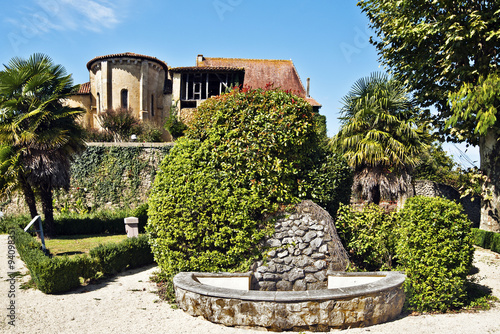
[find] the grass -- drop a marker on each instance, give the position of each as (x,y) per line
(79,244)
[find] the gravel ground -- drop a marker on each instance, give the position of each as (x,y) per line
(127,304)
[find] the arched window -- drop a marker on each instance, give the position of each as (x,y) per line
(124,98)
(152,105)
(98,106)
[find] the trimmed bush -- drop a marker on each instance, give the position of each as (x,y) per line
(368,236)
(245,155)
(435,248)
(128,254)
(486,239)
(61,274)
(96,223)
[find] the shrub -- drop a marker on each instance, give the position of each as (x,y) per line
(128,254)
(245,154)
(120,122)
(100,222)
(368,236)
(435,247)
(174,125)
(150,132)
(61,274)
(486,239)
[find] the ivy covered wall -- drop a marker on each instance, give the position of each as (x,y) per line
(104,177)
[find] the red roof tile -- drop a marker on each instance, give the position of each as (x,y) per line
(205,69)
(128,55)
(84,89)
(261,72)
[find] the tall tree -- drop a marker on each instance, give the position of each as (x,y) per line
(40,128)
(448,52)
(379,137)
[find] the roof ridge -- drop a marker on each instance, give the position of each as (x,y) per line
(287,60)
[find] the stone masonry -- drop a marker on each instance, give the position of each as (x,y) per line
(304,247)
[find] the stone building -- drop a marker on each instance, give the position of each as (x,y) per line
(150,88)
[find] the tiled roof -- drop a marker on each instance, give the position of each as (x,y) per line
(128,55)
(206,69)
(312,102)
(84,89)
(261,72)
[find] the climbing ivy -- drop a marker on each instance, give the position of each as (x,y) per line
(110,176)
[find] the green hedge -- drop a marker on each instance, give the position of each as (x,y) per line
(130,253)
(435,248)
(61,274)
(486,239)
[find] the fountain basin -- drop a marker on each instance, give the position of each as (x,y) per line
(373,298)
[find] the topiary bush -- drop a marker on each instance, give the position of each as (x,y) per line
(245,155)
(435,248)
(368,236)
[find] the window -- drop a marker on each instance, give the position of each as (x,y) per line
(124,98)
(152,105)
(98,103)
(201,86)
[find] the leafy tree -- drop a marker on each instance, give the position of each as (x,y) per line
(448,53)
(379,137)
(436,165)
(40,129)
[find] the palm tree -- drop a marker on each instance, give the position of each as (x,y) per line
(40,129)
(379,137)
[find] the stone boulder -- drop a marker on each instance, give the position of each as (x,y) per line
(304,246)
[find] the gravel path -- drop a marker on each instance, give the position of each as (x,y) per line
(127,304)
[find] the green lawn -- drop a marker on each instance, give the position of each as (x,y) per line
(79,244)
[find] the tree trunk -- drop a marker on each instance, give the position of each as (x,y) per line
(29,196)
(48,209)
(489,148)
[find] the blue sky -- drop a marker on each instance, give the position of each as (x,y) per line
(327,40)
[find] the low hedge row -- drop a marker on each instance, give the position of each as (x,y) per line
(486,239)
(61,274)
(97,225)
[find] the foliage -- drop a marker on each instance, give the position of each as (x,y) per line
(440,54)
(328,183)
(246,153)
(379,137)
(266,139)
(120,122)
(486,239)
(150,132)
(39,127)
(199,220)
(98,136)
(435,248)
(130,253)
(174,124)
(110,174)
(477,101)
(98,222)
(437,166)
(61,274)
(369,236)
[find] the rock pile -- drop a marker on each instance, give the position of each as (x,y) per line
(304,247)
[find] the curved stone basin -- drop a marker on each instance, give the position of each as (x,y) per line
(377,298)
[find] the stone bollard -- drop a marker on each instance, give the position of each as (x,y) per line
(132,226)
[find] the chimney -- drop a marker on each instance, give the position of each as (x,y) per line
(308,84)
(199,60)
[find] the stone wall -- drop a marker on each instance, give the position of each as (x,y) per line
(319,310)
(304,247)
(472,206)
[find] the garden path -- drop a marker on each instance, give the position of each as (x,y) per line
(127,304)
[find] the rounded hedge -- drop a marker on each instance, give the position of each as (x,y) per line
(435,248)
(246,155)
